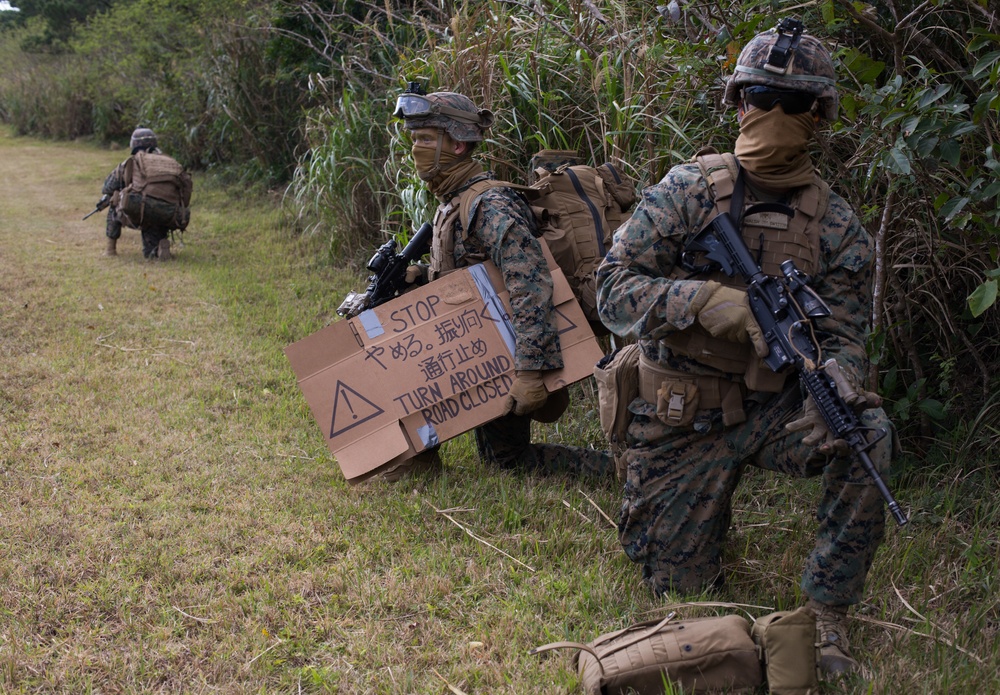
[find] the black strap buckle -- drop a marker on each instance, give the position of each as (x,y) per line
(789,35)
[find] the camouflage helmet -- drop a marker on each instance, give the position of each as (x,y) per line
(142,138)
(454,113)
(787,58)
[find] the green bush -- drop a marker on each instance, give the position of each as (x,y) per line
(215,79)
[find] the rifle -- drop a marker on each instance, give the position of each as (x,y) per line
(102,204)
(388,278)
(785,309)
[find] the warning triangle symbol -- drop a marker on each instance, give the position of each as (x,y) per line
(569,324)
(350,409)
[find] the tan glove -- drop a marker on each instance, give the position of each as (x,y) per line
(724,312)
(812,419)
(853,395)
(857,398)
(527,393)
(414,273)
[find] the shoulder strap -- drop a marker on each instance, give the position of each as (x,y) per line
(721,172)
(569,645)
(468,196)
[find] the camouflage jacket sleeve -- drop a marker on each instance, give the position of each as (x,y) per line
(635,295)
(502,227)
(844,282)
(116,179)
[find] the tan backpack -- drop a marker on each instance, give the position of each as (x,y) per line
(158,193)
(702,655)
(578,208)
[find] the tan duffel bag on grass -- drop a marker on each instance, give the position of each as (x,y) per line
(702,655)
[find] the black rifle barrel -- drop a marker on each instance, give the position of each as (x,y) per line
(844,424)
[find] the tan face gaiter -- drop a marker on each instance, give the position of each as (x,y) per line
(774,148)
(443,171)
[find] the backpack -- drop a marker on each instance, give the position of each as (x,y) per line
(701,655)
(578,208)
(158,193)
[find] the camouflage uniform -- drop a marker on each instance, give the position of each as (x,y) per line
(142,139)
(502,229)
(680,480)
(116,181)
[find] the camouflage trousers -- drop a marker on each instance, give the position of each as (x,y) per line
(151,236)
(506,442)
(680,483)
(113,228)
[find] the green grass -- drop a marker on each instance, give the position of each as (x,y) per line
(171,520)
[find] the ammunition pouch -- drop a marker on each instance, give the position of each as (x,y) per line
(679,395)
(788,645)
(617,377)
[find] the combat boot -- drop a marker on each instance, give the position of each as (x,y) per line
(834,650)
(163,251)
(111,249)
(425,462)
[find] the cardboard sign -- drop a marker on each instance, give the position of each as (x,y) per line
(426,367)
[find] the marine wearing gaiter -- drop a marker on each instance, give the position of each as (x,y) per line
(444,171)
(773,147)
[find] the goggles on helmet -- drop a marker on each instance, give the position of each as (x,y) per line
(766,98)
(418,106)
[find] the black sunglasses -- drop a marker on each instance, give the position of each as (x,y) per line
(766,98)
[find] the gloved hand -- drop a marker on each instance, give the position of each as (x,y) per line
(527,393)
(811,418)
(853,395)
(416,273)
(859,399)
(103,202)
(724,312)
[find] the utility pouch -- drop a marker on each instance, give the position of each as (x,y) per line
(677,402)
(617,377)
(702,655)
(788,641)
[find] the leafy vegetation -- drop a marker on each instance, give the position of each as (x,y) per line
(222,87)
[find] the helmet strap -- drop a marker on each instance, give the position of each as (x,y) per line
(780,56)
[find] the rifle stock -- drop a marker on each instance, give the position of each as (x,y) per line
(388,278)
(785,309)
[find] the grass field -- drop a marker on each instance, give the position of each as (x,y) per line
(171,520)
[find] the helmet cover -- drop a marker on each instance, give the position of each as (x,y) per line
(454,113)
(142,138)
(787,58)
